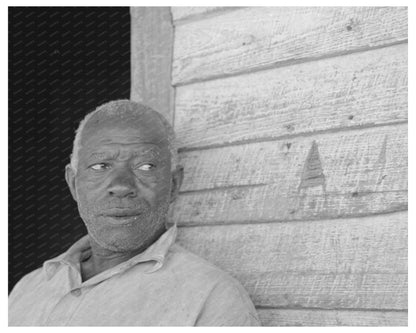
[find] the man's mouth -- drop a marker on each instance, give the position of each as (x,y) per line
(123,215)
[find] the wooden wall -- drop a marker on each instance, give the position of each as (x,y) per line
(292,127)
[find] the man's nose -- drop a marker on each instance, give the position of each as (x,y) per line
(123,184)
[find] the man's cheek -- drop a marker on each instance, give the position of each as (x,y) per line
(92,186)
(87,205)
(164,192)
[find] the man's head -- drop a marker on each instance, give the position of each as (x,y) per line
(124,174)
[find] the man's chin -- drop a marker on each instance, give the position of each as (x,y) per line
(118,243)
(125,234)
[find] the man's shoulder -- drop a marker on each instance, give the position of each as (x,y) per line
(226,302)
(29,280)
(37,276)
(32,275)
(179,255)
(185,262)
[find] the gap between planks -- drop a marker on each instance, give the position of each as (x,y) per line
(233,187)
(290,62)
(290,136)
(310,220)
(265,307)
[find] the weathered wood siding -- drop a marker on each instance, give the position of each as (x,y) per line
(357,263)
(264,37)
(292,124)
(312,317)
(292,128)
(356,90)
(331,175)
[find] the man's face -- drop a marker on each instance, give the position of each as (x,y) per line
(123,182)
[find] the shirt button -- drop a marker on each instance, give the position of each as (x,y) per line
(76,292)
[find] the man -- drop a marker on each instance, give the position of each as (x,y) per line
(127,271)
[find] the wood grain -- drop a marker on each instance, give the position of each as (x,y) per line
(351,173)
(361,89)
(260,37)
(345,263)
(187,13)
(151,58)
(288,317)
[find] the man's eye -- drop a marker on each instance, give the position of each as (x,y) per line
(146,167)
(99,166)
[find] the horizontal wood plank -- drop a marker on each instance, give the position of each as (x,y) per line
(361,89)
(351,173)
(358,263)
(289,317)
(259,37)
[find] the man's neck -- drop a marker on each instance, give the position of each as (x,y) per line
(102,259)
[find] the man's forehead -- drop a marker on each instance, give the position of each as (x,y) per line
(146,129)
(126,151)
(139,120)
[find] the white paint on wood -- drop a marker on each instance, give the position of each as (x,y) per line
(361,89)
(363,172)
(345,263)
(151,58)
(289,317)
(258,37)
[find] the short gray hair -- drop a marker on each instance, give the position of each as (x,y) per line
(122,108)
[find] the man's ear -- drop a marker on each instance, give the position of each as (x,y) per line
(177,178)
(70,180)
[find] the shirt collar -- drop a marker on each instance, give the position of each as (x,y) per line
(81,249)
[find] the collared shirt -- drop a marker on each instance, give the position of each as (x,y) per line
(165,285)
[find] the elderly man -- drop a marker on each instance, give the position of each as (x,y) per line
(128,269)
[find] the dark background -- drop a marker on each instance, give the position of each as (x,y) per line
(63,63)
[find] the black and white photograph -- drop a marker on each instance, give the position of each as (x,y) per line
(208,166)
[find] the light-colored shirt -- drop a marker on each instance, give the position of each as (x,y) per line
(165,285)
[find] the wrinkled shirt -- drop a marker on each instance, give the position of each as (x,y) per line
(165,285)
